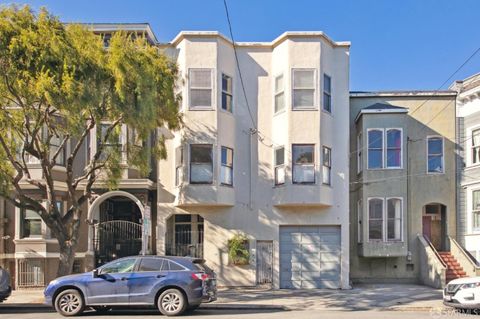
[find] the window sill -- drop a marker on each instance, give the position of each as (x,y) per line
(226,185)
(194,184)
(305,109)
(201,109)
(435,173)
(278,185)
(305,184)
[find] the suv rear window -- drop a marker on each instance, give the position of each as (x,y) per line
(170,265)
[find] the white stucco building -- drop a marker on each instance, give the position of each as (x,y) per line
(268,160)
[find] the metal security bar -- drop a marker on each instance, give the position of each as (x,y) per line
(185,243)
(31,273)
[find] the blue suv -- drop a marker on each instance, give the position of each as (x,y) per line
(173,284)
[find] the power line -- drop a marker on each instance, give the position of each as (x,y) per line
(238,64)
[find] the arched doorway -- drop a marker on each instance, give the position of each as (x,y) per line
(434,221)
(116,227)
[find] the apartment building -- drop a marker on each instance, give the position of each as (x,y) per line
(403,183)
(468,115)
(113,222)
(263,154)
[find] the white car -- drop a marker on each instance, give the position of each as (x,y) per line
(463,293)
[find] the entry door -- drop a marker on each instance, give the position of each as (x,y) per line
(427,226)
(112,285)
(264,262)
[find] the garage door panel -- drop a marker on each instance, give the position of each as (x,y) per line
(309,257)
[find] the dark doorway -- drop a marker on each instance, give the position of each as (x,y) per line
(434,225)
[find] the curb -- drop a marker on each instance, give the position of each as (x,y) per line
(243,307)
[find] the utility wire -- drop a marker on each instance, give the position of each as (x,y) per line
(238,65)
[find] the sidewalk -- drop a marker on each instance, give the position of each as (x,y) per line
(362,297)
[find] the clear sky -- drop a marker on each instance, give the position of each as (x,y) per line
(403,44)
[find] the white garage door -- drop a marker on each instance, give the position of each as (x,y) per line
(309,257)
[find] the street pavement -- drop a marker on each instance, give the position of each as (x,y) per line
(244,314)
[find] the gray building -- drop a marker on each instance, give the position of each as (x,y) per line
(402,186)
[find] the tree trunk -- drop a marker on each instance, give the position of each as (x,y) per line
(67,257)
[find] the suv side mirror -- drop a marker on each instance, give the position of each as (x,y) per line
(95,273)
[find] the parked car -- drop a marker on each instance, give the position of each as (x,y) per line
(173,284)
(5,288)
(463,293)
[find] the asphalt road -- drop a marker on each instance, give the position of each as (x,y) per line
(239,314)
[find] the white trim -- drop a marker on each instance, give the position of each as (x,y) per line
(212,88)
(469,209)
(368,220)
(386,147)
(379,111)
(322,80)
(314,87)
(468,139)
(231,93)
(443,154)
(275,93)
(401,220)
(383,148)
(385,220)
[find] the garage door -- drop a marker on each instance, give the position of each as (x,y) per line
(309,257)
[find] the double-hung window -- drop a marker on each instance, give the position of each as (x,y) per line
(201,164)
(55,143)
(375,148)
(178,165)
(435,154)
(279,94)
(359,152)
(303,89)
(476,210)
(385,219)
(226,170)
(201,88)
(326,165)
(32,224)
(327,93)
(113,145)
(303,163)
(394,148)
(279,165)
(475,148)
(394,219)
(375,219)
(227,93)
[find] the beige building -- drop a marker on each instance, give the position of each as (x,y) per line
(265,160)
(403,185)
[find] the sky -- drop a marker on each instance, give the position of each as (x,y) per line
(396,45)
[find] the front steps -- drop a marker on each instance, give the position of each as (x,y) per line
(454,270)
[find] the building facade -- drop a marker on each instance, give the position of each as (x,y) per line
(263,158)
(468,114)
(403,183)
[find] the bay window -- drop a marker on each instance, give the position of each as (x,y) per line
(394,148)
(476,210)
(475,147)
(279,166)
(279,94)
(359,152)
(200,88)
(303,163)
(201,164)
(375,219)
(113,145)
(303,89)
(227,93)
(394,219)
(226,170)
(375,148)
(31,224)
(326,165)
(435,154)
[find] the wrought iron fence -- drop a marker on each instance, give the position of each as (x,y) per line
(185,243)
(31,273)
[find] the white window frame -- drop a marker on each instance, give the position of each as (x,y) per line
(329,93)
(469,199)
(122,141)
(468,145)
(386,219)
(313,163)
(225,165)
(212,147)
(443,154)
(227,93)
(280,166)
(360,153)
(278,92)
(386,148)
(368,220)
(179,163)
(212,88)
(314,87)
(368,148)
(328,167)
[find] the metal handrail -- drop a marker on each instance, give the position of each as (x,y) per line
(435,251)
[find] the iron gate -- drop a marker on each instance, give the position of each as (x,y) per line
(264,262)
(115,239)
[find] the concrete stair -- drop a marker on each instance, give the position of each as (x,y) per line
(454,269)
